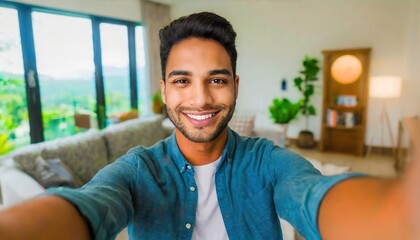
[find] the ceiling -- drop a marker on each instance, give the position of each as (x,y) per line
(171,2)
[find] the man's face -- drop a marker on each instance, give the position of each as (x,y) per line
(200,90)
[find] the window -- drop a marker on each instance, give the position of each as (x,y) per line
(57,65)
(64,54)
(115,65)
(143,84)
(14,125)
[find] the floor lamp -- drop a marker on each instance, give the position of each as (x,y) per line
(384,87)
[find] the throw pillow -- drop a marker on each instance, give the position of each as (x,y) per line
(17,186)
(52,173)
(5,165)
(243,125)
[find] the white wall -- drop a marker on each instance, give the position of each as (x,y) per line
(410,99)
(121,9)
(274,36)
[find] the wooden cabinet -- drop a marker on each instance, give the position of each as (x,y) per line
(345,97)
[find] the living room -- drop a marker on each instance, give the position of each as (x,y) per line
(274,36)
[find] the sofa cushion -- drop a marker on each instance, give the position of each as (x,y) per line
(17,186)
(48,173)
(53,173)
(123,136)
(84,154)
(5,164)
(25,157)
(243,124)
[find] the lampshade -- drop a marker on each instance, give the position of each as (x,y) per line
(346,69)
(385,87)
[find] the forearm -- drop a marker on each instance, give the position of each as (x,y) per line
(365,208)
(46,217)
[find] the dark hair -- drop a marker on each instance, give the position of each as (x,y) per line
(204,25)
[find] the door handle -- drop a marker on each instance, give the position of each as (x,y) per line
(31,79)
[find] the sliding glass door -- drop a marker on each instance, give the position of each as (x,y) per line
(115,65)
(64,55)
(64,72)
(143,86)
(14,124)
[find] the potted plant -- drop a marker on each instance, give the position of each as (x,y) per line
(282,111)
(306,85)
(158,106)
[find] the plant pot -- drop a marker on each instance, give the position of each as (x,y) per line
(282,131)
(306,139)
(157,107)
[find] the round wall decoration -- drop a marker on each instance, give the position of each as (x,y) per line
(346,69)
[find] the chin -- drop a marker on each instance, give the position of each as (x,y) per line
(202,135)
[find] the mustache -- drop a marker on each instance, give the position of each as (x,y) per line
(206,107)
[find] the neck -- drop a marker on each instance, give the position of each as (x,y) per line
(201,153)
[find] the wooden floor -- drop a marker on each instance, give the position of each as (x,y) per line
(380,165)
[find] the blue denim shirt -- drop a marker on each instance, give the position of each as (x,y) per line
(153,191)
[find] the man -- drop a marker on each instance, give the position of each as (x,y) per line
(207,182)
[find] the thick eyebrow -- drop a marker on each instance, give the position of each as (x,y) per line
(179,73)
(223,71)
(220,71)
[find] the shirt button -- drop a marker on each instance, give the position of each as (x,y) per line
(188,226)
(188,166)
(192,189)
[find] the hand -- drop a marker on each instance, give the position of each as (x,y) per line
(411,190)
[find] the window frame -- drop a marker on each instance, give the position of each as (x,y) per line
(29,61)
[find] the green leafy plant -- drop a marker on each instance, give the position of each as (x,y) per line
(282,110)
(157,103)
(5,145)
(12,103)
(306,85)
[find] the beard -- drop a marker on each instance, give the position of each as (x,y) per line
(199,134)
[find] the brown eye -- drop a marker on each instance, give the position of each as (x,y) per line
(218,81)
(180,81)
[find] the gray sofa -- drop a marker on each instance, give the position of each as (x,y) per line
(83,154)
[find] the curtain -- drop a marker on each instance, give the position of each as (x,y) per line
(156,16)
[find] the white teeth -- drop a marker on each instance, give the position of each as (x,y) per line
(201,117)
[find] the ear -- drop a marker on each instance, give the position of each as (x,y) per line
(163,90)
(236,86)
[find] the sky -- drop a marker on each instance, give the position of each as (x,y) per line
(11,59)
(63,45)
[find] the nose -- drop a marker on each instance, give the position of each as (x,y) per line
(200,96)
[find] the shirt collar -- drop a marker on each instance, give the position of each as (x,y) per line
(180,161)
(230,146)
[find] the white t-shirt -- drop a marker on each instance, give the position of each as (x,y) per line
(208,221)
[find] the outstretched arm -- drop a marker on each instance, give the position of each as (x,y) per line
(104,208)
(45,217)
(368,208)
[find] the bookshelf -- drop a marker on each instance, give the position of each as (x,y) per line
(345,97)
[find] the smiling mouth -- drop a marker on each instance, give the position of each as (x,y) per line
(201,117)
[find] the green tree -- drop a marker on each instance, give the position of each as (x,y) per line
(12,104)
(12,110)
